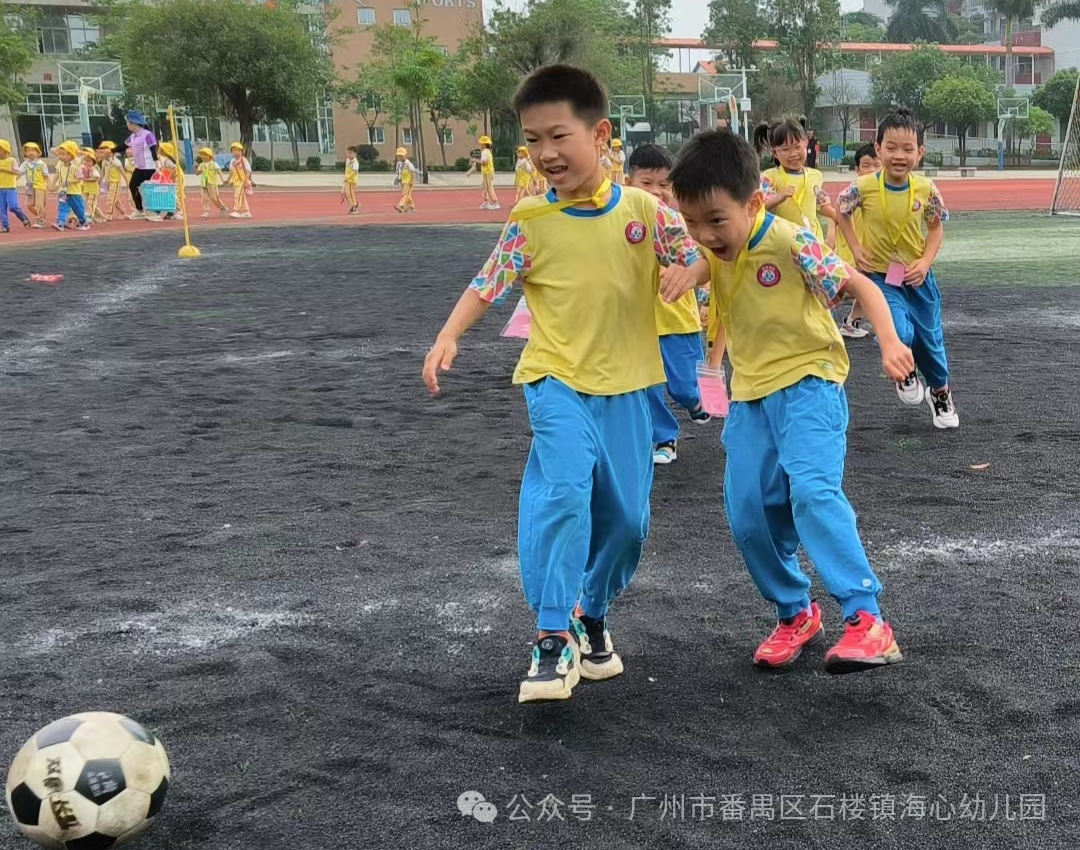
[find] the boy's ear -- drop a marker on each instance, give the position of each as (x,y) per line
(603,131)
(757,200)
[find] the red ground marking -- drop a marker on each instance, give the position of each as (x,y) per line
(461,206)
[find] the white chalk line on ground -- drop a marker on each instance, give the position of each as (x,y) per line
(24,354)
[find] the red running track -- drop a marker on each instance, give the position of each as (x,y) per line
(461,206)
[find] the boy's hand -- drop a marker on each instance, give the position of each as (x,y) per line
(676,281)
(896,358)
(916,273)
(439,359)
(860,255)
(788,192)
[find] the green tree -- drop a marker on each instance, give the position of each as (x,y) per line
(446,105)
(1039,122)
(962,101)
(651,20)
(863,34)
(734,26)
(485,86)
(1057,11)
(919,20)
(1012,11)
(225,58)
(361,94)
(803,30)
(1056,95)
(903,79)
(16,57)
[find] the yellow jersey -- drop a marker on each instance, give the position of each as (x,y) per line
(802,208)
(209,173)
(239,171)
(37,174)
(91,183)
(523,173)
(352,171)
(407,172)
(618,161)
(773,302)
(591,279)
(9,172)
(114,171)
(487,162)
(842,247)
(893,217)
(68,178)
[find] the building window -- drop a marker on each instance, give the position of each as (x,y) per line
(53,36)
(83,33)
(366,17)
(46,99)
(402,18)
(325,128)
(448,136)
(376,136)
(407,136)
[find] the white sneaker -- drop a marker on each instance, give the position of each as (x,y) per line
(154,217)
(942,408)
(664,454)
(135,216)
(84,226)
(234,214)
(245,215)
(206,215)
(853,330)
(911,391)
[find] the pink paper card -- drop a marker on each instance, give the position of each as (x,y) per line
(895,275)
(520,322)
(712,390)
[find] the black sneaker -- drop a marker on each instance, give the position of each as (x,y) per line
(598,657)
(698,416)
(553,672)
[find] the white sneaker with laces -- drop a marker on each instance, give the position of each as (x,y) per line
(911,390)
(942,408)
(664,454)
(852,330)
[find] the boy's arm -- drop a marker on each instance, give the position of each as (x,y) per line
(678,254)
(934,214)
(773,198)
(846,203)
(508,262)
(827,276)
(825,204)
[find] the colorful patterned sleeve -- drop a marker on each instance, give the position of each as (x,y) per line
(935,209)
(768,187)
(823,199)
(823,271)
(671,240)
(508,262)
(849,200)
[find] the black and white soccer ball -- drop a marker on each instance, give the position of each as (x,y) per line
(88,782)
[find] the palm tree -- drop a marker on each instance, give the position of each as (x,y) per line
(1062,10)
(1012,11)
(919,20)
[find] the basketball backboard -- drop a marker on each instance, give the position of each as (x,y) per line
(82,78)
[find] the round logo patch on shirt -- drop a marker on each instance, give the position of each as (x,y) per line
(768,275)
(916,206)
(635,232)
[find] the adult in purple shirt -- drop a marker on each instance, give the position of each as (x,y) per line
(142,149)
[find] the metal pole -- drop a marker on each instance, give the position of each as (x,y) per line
(1072,131)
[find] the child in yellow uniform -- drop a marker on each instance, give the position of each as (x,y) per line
(587,253)
(618,161)
(240,177)
(36,175)
(9,188)
(488,199)
(524,174)
(210,180)
(91,177)
(772,282)
(406,178)
(352,177)
(166,172)
(115,176)
(792,190)
(678,324)
(866,162)
(902,232)
(68,182)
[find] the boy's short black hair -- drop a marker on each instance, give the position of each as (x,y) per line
(866,150)
(900,119)
(716,160)
(650,158)
(353,149)
(564,84)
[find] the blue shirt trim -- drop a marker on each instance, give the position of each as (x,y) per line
(616,195)
(755,240)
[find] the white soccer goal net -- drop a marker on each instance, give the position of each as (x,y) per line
(1067,191)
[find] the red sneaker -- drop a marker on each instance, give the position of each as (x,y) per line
(787,640)
(868,642)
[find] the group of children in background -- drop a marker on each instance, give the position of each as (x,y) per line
(594,257)
(92,186)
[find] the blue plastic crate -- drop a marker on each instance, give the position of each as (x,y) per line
(159,197)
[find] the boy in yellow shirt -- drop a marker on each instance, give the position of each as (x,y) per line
(352,178)
(894,251)
(116,177)
(590,256)
(91,176)
(785,434)
(36,173)
(9,188)
(68,182)
(406,178)
(866,162)
(678,324)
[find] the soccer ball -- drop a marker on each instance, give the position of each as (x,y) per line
(88,782)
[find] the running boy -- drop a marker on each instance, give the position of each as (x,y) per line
(36,173)
(785,434)
(588,252)
(678,324)
(866,162)
(893,249)
(68,182)
(9,188)
(352,177)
